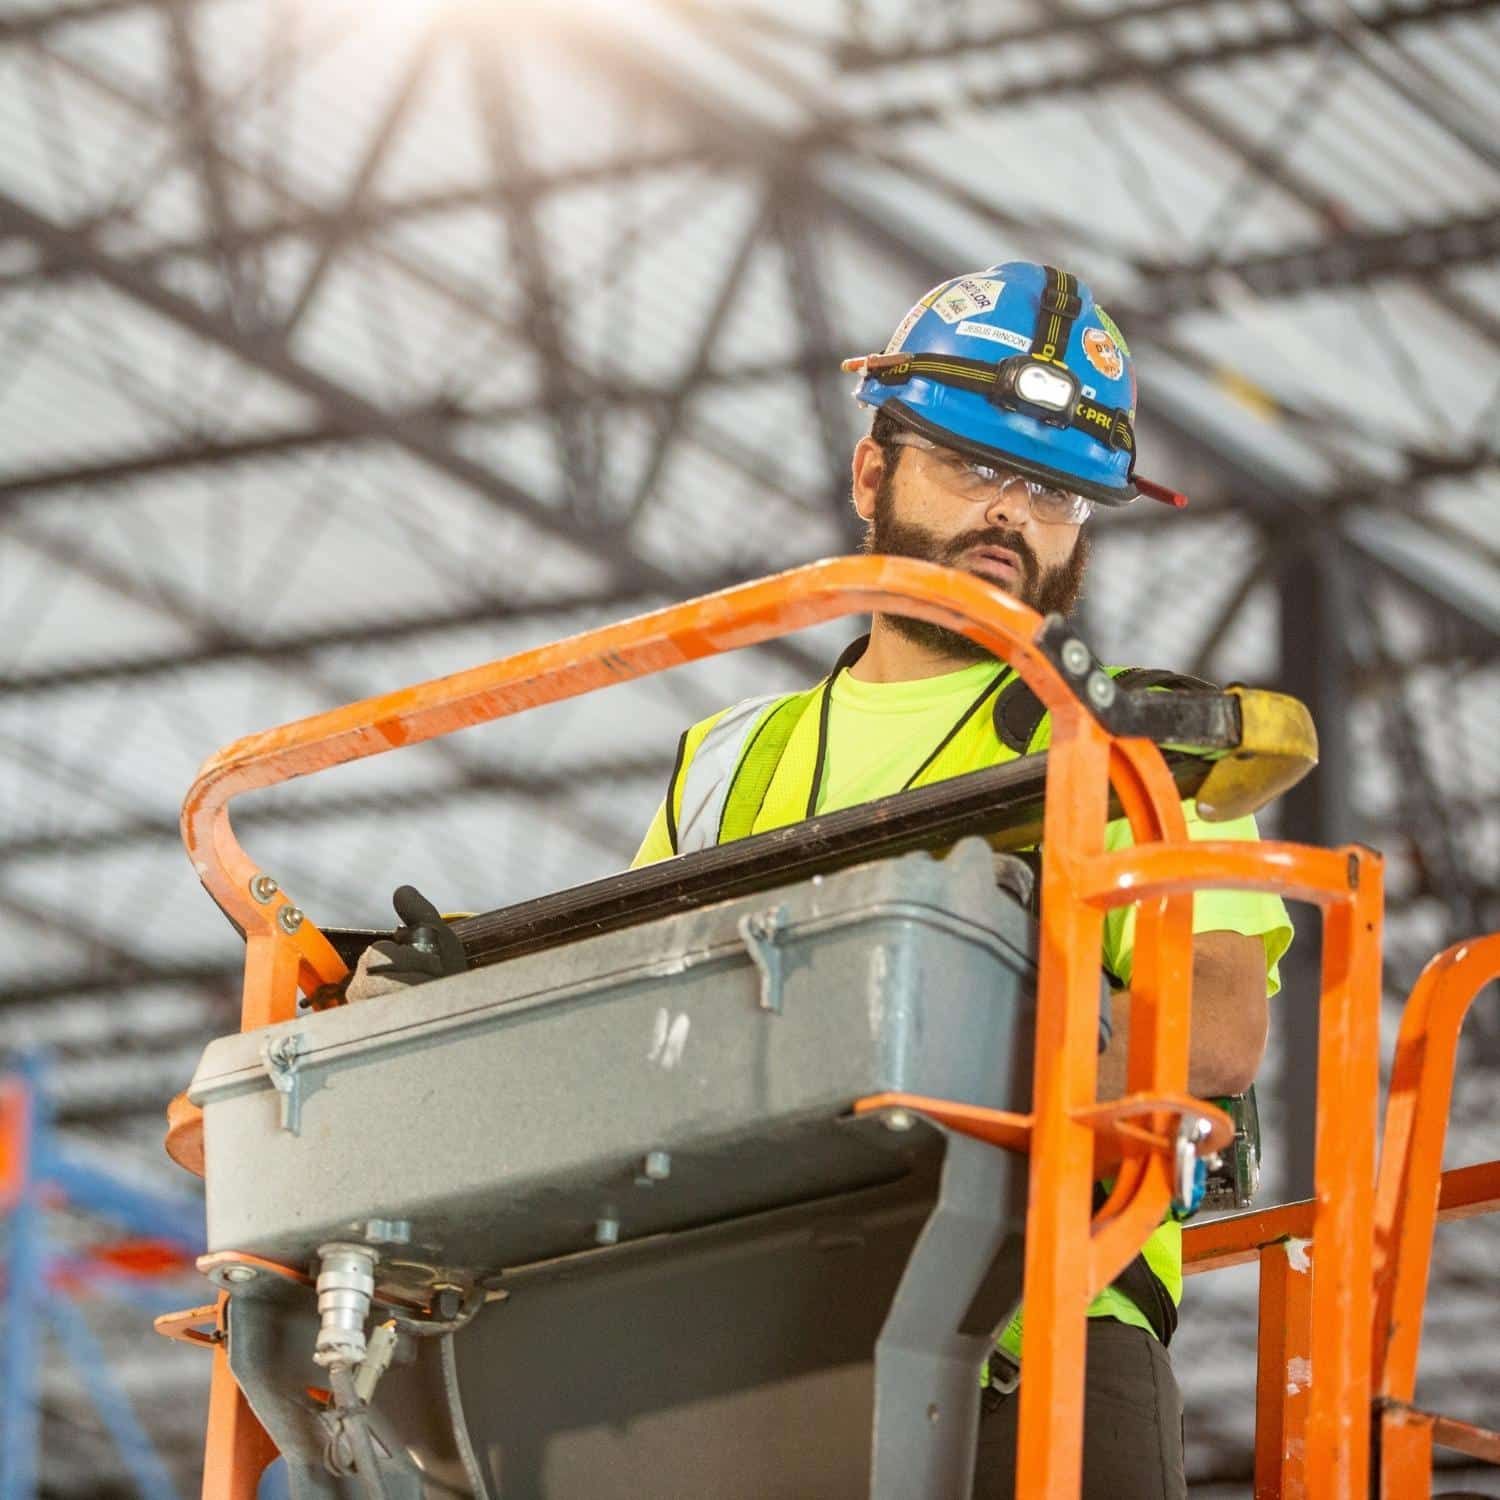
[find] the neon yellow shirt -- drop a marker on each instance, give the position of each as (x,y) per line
(879,735)
(878,740)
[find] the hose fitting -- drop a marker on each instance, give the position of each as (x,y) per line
(346,1283)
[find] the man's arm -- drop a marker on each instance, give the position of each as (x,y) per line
(1229,1025)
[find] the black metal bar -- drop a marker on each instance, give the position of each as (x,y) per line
(329,686)
(1431,823)
(1003,804)
(1355,258)
(1315,668)
(372,215)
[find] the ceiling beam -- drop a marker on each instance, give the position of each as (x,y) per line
(346,410)
(526,787)
(112,965)
(378,631)
(339,221)
(32,25)
(1174,51)
(175,458)
(1185,45)
(1351,260)
(372,213)
(566,396)
(198,119)
(351,412)
(210,976)
(1281,498)
(240,651)
(364,214)
(854,55)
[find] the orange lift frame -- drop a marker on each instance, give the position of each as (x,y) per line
(1322,1433)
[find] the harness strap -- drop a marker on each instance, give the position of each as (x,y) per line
(1057,311)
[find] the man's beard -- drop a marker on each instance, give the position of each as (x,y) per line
(1053,590)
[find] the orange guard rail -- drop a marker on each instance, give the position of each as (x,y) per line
(1068,1256)
(1412,1194)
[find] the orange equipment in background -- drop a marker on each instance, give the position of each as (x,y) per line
(1314,1441)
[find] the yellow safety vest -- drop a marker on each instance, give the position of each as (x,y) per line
(758,766)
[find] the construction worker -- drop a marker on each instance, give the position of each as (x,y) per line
(1003,412)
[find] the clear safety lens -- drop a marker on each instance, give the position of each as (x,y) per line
(1038,385)
(1047,503)
(977,481)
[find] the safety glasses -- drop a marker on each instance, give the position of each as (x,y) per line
(972,480)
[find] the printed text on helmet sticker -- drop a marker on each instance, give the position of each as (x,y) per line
(967,296)
(996,335)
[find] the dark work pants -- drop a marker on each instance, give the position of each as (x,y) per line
(1132,1423)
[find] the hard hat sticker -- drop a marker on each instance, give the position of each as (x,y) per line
(1112,330)
(996,335)
(1103,353)
(898,338)
(967,296)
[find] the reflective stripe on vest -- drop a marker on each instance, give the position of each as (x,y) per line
(711,775)
(707,777)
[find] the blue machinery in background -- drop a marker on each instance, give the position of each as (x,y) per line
(40,1279)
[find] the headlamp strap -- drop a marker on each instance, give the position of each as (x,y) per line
(1059,308)
(1109,425)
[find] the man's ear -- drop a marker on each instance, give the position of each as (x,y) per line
(869,469)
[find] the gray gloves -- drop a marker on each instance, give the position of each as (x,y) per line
(424,947)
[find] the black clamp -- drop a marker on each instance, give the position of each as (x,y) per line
(1195,714)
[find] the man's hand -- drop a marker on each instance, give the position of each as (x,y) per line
(1229,1025)
(424,947)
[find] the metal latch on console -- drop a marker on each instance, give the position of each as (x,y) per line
(761,933)
(282,1057)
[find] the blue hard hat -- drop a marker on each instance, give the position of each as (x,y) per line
(1017,363)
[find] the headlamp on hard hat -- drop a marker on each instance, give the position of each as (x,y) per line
(1037,387)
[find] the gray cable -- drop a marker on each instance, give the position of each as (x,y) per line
(357,1428)
(461,1441)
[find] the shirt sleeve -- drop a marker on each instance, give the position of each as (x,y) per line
(657,844)
(1253,913)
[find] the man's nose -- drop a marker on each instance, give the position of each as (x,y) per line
(1009,501)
